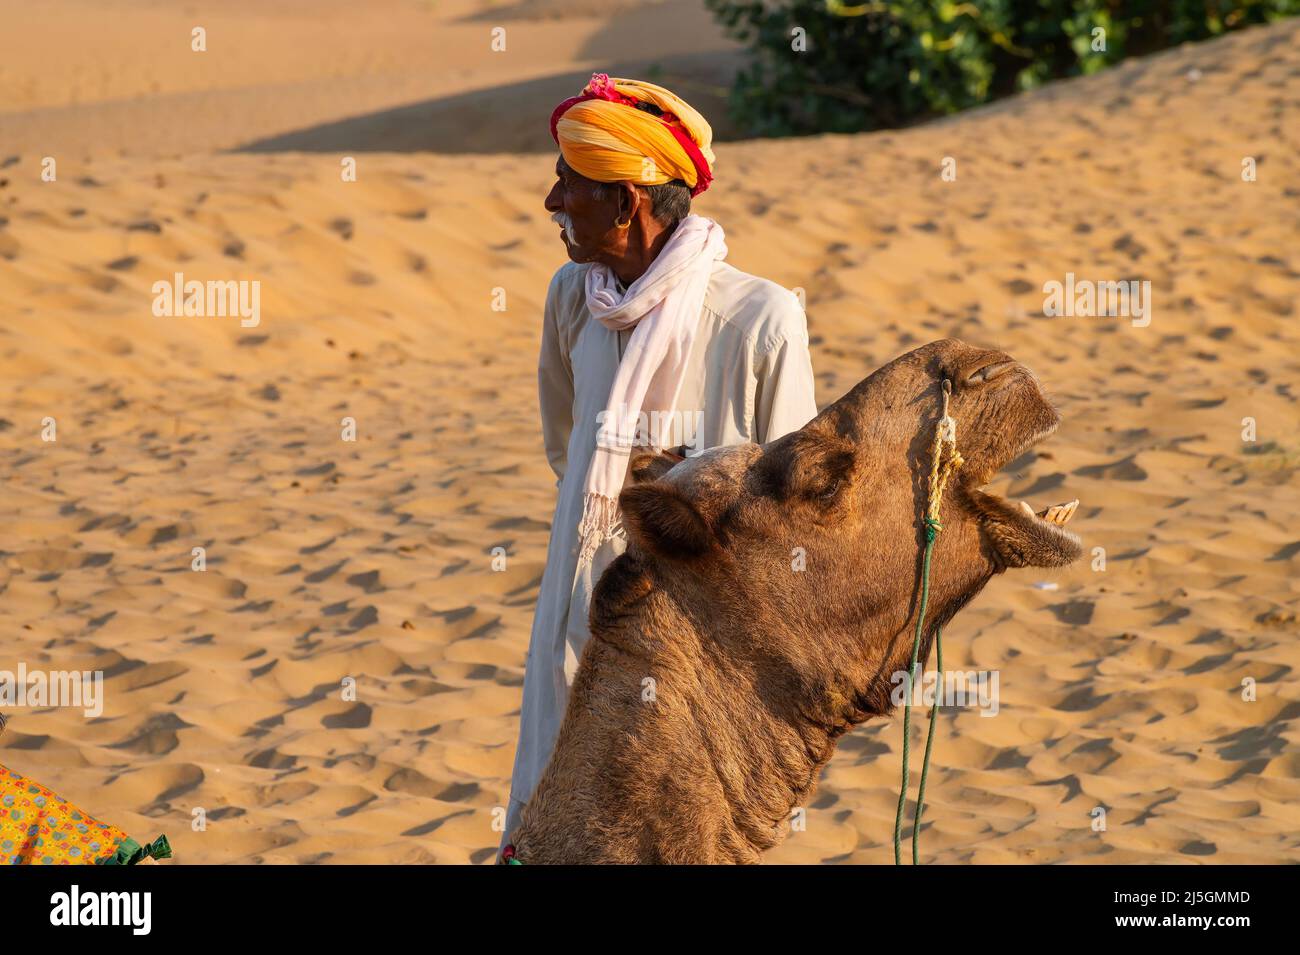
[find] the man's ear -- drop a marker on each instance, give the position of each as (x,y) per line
(807,465)
(629,199)
(660,519)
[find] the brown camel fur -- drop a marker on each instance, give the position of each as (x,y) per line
(718,677)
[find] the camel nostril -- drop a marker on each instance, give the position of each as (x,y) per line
(990,371)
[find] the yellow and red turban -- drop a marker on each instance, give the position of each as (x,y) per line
(605,135)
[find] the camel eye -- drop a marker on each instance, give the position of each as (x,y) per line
(830,490)
(989,372)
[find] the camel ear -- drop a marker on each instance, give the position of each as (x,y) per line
(647,467)
(660,519)
(807,465)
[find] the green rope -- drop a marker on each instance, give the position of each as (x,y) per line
(929,742)
(932,529)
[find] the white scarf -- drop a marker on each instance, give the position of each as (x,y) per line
(663,307)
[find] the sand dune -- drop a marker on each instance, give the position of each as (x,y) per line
(395,75)
(371,560)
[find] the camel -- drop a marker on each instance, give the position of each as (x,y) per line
(767,595)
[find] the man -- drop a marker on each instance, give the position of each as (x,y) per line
(649,339)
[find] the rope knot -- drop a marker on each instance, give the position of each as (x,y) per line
(932,529)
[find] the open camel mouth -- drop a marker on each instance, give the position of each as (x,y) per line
(1047,525)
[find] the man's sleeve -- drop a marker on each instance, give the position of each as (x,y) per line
(555,385)
(784,400)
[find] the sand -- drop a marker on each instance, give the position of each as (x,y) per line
(372,560)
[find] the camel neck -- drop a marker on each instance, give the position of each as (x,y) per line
(671,752)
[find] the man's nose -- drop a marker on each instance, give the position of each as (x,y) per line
(553,203)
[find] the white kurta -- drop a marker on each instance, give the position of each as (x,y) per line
(749,374)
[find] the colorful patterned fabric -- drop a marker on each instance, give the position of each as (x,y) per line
(619,129)
(38,827)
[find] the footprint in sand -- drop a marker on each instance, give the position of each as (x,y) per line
(156,737)
(369,581)
(355,717)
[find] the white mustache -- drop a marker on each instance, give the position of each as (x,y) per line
(564,222)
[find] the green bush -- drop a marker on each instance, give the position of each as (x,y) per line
(873,64)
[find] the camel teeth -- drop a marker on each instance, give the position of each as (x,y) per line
(1060,514)
(1069,510)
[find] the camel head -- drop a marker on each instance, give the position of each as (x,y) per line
(807,550)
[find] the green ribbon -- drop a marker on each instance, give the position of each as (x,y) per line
(131,852)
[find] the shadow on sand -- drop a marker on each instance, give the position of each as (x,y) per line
(507,119)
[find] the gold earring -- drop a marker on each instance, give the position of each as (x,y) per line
(623,223)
